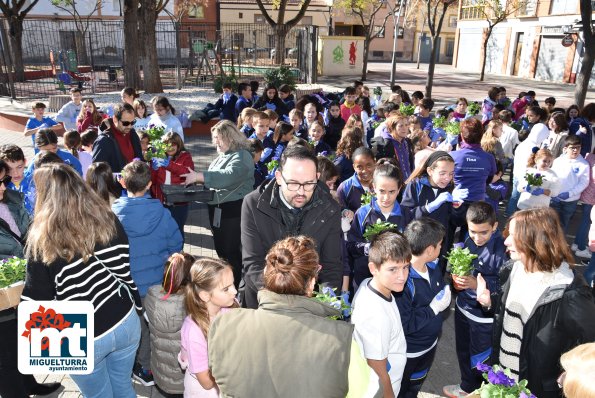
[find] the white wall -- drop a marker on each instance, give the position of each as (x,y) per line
(469,49)
(495,51)
(84,7)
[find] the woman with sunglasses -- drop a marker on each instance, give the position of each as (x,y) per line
(544,307)
(231,177)
(14,222)
(118,144)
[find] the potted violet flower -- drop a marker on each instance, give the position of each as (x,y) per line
(500,383)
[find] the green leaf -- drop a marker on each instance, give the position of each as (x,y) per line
(406,109)
(439,122)
(460,261)
(473,108)
(380,226)
(12,270)
(367,198)
(453,128)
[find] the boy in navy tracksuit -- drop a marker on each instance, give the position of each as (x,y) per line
(226,104)
(357,246)
(422,302)
(473,327)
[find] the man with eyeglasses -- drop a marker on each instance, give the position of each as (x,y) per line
(118,143)
(294,203)
(573,174)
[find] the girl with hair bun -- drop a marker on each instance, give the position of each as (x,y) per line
(286,321)
(539,162)
(165,311)
(383,207)
(209,292)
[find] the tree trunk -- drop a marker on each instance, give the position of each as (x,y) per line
(16,44)
(584,75)
(150,63)
(484,59)
(431,67)
(281,32)
(131,45)
(365,60)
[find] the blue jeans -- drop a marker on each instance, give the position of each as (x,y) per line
(565,211)
(511,207)
(582,234)
(590,271)
(114,358)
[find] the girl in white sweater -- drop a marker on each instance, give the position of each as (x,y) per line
(538,196)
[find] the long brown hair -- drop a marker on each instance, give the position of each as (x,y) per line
(488,140)
(539,236)
(176,273)
(70,218)
(174,138)
(431,162)
(351,139)
(290,266)
(96,117)
(205,274)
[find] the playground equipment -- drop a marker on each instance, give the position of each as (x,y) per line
(69,74)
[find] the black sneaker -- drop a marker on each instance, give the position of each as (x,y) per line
(143,376)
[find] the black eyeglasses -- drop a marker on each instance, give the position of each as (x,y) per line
(5,180)
(295,186)
(126,124)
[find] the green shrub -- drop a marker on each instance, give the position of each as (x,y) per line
(279,76)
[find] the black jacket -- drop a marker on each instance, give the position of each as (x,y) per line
(563,318)
(276,104)
(384,148)
(262,226)
(106,148)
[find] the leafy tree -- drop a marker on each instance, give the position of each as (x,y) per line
(15,11)
(367,13)
(584,75)
(281,27)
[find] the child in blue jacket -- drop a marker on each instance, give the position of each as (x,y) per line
(153,236)
(473,326)
(351,190)
(422,302)
(382,208)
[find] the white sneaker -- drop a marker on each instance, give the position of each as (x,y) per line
(584,253)
(454,391)
(574,247)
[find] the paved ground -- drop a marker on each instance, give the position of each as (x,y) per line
(448,85)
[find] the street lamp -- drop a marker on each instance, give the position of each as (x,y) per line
(329,4)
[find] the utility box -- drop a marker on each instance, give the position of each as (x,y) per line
(340,55)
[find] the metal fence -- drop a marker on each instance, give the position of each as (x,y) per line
(57,56)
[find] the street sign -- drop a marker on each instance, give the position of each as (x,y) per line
(567,41)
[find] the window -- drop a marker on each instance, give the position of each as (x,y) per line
(470,10)
(197,12)
(378,31)
(529,8)
(241,15)
(258,18)
(452,21)
(450,48)
(116,5)
(378,54)
(564,7)
(306,21)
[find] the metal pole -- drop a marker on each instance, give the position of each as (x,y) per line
(419,43)
(393,68)
(178,57)
(330,21)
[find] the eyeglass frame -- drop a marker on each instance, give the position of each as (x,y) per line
(304,185)
(127,123)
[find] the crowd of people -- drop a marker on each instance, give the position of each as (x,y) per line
(342,191)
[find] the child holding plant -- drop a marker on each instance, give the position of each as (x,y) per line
(383,212)
(540,182)
(422,302)
(316,138)
(484,253)
(351,190)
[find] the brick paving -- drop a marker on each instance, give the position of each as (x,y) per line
(448,85)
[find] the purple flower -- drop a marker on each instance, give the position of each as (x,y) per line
(537,175)
(500,378)
(459,245)
(482,367)
(328,291)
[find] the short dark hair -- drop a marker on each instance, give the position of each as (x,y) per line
(297,152)
(417,94)
(45,137)
(493,93)
(119,110)
(505,116)
(389,246)
(75,90)
(481,213)
(539,111)
(386,168)
(357,83)
(327,169)
(285,88)
(227,85)
(254,85)
(471,131)
(350,91)
(255,146)
(136,175)
(46,157)
(423,233)
(362,151)
(88,137)
(242,87)
(38,105)
(427,103)
(531,93)
(395,88)
(572,140)
(550,100)
(11,153)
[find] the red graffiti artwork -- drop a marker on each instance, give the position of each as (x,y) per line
(352,55)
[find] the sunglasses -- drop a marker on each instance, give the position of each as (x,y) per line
(126,124)
(5,180)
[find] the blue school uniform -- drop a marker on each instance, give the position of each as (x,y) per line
(420,324)
(357,246)
(302,133)
(321,147)
(345,166)
(241,103)
(350,193)
(27,188)
(260,174)
(289,102)
(473,327)
(425,122)
(33,123)
(226,108)
(495,193)
(417,194)
(247,130)
(66,157)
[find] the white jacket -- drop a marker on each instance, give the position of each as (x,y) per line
(573,175)
(169,121)
(550,181)
(68,114)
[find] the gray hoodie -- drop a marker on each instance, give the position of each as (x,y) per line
(68,115)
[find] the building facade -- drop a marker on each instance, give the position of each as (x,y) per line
(528,44)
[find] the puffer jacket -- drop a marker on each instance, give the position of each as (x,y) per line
(244,354)
(153,236)
(165,322)
(9,246)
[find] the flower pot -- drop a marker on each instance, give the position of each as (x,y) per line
(11,296)
(456,285)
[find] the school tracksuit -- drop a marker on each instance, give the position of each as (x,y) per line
(357,245)
(421,326)
(473,327)
(350,193)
